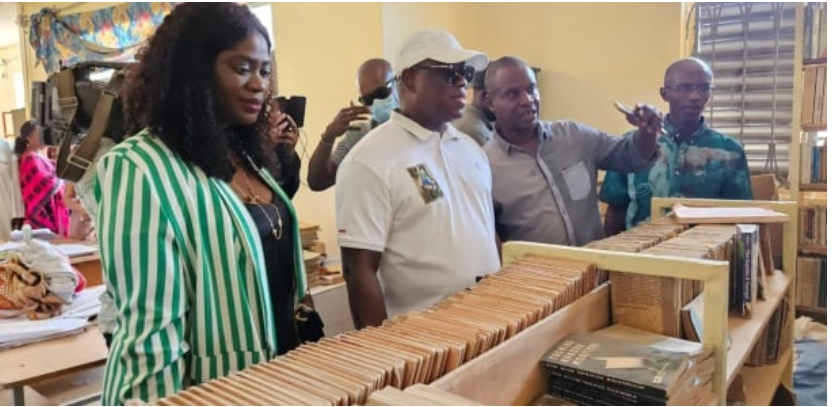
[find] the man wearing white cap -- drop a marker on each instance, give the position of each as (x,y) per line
(414,211)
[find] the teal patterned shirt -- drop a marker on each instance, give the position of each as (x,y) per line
(708,165)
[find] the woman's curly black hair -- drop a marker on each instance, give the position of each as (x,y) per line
(171,90)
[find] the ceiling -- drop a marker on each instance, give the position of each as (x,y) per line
(8,29)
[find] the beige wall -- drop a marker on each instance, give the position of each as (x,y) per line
(590,54)
(318,49)
(12,66)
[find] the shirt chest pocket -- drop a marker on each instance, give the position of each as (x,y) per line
(577,181)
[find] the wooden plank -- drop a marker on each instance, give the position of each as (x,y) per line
(761,382)
(510,374)
(44,360)
(813,187)
(812,310)
(694,215)
(813,249)
(89,267)
(746,332)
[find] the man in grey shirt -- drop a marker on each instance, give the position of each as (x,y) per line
(477,121)
(545,172)
(378,98)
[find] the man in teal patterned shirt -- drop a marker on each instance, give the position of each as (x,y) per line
(694,160)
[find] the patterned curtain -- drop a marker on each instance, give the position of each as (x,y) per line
(111,34)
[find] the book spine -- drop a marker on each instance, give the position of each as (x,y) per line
(578,398)
(815,164)
(601,391)
(808,100)
(822,294)
(773,335)
(635,388)
(806,161)
(820,95)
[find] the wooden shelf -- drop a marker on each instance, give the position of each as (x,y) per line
(813,249)
(812,127)
(746,332)
(811,310)
(813,187)
(761,382)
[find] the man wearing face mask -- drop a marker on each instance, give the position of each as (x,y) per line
(477,121)
(378,99)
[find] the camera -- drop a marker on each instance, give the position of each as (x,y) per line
(294,106)
(84,84)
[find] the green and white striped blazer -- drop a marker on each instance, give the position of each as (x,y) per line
(184,265)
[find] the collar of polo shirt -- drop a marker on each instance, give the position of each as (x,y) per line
(417,130)
(542,134)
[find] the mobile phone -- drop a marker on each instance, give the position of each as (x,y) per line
(294,106)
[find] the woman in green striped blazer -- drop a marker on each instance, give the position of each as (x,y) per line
(199,244)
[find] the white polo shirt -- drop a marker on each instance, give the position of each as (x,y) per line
(423,200)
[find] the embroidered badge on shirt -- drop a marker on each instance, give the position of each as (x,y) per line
(425,183)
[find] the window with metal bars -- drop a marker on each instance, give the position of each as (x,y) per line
(750,47)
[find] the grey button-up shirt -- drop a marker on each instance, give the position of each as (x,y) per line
(474,122)
(551,197)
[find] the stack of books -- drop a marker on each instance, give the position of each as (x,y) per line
(308,234)
(621,365)
(635,240)
(410,349)
(418,395)
(312,262)
(810,282)
(813,159)
(813,225)
(772,343)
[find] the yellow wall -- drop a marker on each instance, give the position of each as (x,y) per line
(318,49)
(590,54)
(11,67)
(401,19)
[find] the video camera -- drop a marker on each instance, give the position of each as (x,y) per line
(80,104)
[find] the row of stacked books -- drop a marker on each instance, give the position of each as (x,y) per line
(313,251)
(772,343)
(813,225)
(636,240)
(417,395)
(409,349)
(814,95)
(655,303)
(810,282)
(621,365)
(813,160)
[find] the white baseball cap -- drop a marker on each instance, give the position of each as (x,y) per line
(437,45)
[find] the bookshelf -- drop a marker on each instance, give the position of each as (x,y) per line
(813,187)
(509,374)
(761,381)
(807,160)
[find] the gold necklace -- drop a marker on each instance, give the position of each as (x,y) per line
(253,198)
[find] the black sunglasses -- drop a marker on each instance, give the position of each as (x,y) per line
(381,92)
(452,72)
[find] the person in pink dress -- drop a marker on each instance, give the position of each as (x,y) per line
(40,187)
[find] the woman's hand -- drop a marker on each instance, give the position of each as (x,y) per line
(283,130)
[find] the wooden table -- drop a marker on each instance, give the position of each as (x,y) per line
(34,363)
(30,364)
